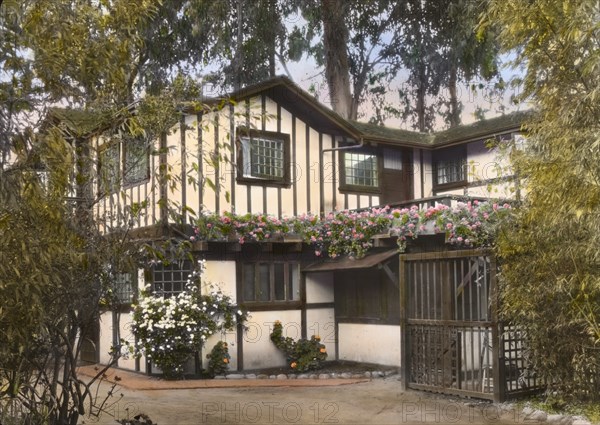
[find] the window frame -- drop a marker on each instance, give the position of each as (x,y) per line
(291,299)
(244,133)
(126,145)
(170,268)
(353,188)
(112,185)
(120,165)
(442,155)
(121,282)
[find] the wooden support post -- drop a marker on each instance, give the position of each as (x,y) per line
(404,361)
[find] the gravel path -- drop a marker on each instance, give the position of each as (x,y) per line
(376,401)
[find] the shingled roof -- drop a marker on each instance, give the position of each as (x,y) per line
(484,128)
(379,133)
(285,92)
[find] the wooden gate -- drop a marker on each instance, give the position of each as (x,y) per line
(452,341)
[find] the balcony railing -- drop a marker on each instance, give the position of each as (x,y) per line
(448,200)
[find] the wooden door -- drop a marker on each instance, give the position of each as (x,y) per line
(396,176)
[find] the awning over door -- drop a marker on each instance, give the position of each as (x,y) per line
(346,263)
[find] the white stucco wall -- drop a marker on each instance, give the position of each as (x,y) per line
(259,351)
(427,175)
(485,164)
(321,322)
(378,344)
(319,287)
(125,332)
(223,275)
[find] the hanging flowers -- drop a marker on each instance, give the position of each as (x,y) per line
(351,232)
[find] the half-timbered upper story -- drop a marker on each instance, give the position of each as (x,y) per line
(274,149)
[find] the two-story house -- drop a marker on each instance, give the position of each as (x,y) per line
(289,155)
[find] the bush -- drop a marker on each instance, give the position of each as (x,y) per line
(302,355)
(219,357)
(170,330)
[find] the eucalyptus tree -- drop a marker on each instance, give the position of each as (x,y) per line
(420,48)
(442,49)
(356,42)
(244,40)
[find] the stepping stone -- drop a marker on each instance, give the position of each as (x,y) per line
(235,376)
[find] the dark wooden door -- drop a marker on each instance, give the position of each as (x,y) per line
(396,176)
(89,344)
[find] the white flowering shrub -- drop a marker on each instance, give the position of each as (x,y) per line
(170,330)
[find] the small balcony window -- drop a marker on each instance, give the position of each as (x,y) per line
(360,171)
(450,167)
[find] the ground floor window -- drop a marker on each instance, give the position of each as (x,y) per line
(169,280)
(125,287)
(272,281)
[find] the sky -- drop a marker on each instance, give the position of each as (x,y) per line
(306,73)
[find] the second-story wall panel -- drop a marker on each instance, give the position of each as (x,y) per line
(213,164)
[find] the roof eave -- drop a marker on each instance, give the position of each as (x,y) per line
(476,137)
(259,88)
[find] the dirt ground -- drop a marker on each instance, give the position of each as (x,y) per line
(377,401)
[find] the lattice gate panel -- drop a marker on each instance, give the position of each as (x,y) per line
(451,338)
(518,376)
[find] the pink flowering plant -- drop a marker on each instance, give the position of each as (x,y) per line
(473,223)
(405,224)
(351,233)
(170,330)
(343,232)
(243,228)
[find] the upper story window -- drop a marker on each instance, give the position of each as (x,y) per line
(263,157)
(270,281)
(360,171)
(450,166)
(136,161)
(109,172)
(123,162)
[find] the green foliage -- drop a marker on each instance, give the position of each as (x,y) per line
(434,42)
(52,282)
(244,38)
(56,267)
(550,280)
(218,359)
(303,355)
(86,52)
